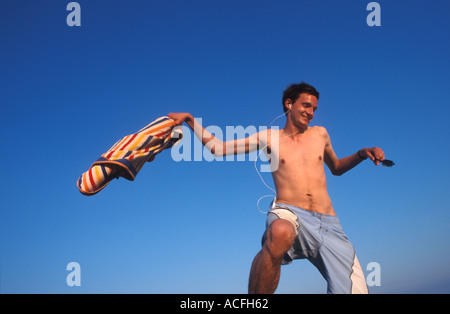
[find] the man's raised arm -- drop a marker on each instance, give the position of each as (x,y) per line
(341,166)
(214,145)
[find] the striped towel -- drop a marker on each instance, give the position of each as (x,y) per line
(127,157)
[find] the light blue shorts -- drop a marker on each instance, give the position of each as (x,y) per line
(321,240)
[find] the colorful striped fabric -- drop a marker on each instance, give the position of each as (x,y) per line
(127,157)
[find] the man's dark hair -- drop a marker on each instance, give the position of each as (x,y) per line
(293,92)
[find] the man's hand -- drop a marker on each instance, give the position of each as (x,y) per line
(179,118)
(375,154)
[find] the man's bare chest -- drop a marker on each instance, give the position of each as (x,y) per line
(305,150)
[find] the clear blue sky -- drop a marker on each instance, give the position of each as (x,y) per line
(68,93)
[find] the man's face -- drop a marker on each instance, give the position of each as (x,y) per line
(302,111)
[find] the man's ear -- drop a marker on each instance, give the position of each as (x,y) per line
(288,104)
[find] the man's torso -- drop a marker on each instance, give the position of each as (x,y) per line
(300,177)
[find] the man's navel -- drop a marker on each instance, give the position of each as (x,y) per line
(310,201)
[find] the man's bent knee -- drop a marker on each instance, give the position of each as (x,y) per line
(285,214)
(280,236)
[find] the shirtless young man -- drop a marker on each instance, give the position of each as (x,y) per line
(302,223)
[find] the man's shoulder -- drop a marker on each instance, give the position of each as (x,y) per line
(270,132)
(319,129)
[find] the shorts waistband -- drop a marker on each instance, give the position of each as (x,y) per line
(331,219)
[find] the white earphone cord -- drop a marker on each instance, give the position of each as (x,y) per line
(257,171)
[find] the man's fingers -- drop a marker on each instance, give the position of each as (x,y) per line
(379,154)
(370,155)
(373,157)
(376,154)
(176,117)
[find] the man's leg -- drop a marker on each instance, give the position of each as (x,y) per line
(336,260)
(266,267)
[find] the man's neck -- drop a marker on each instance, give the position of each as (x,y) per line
(291,129)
